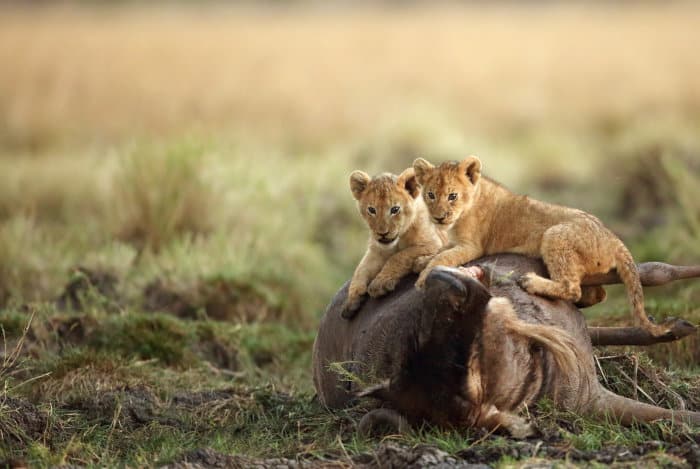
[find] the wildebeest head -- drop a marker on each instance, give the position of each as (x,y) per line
(433,368)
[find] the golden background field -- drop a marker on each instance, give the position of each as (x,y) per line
(175,210)
(320,74)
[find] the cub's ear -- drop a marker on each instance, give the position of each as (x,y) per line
(421,167)
(407,180)
(358,183)
(471,167)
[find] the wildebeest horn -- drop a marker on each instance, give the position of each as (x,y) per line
(374,421)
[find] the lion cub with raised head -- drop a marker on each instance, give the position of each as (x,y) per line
(482,217)
(400,234)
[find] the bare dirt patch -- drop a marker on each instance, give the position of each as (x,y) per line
(134,407)
(562,450)
(387,455)
(127,409)
(391,455)
(21,421)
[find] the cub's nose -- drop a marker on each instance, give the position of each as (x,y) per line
(383,234)
(439,219)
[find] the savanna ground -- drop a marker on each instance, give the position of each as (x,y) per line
(174,212)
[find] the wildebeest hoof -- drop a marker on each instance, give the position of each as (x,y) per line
(678,328)
(669,329)
(380,422)
(351,307)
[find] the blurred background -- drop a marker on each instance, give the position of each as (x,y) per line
(175,210)
(193,158)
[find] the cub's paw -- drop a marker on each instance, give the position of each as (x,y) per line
(420,283)
(530,282)
(352,306)
(381,286)
(420,263)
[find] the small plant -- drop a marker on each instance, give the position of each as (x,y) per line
(10,358)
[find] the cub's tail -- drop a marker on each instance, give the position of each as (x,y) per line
(627,270)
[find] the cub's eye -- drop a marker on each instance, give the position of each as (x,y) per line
(395,209)
(371,210)
(431,195)
(452,196)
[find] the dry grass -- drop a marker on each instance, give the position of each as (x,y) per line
(161,195)
(315,75)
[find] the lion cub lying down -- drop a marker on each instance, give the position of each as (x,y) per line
(483,217)
(401,234)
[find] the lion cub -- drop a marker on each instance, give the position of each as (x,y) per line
(483,217)
(401,234)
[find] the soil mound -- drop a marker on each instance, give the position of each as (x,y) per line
(89,284)
(217,299)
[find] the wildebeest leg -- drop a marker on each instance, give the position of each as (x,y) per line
(651,274)
(627,411)
(601,336)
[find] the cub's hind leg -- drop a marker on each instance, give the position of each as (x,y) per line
(591,295)
(560,254)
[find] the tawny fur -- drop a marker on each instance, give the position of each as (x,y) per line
(482,217)
(401,237)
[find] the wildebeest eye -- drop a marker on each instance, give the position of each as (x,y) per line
(395,209)
(431,195)
(452,196)
(371,210)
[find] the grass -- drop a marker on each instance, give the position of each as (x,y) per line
(153,215)
(177,221)
(126,388)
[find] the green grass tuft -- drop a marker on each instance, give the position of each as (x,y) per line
(152,215)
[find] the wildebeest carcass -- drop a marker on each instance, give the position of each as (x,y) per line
(473,349)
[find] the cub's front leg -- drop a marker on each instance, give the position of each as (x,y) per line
(366,270)
(398,265)
(452,257)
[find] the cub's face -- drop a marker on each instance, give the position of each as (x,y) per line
(448,189)
(386,202)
